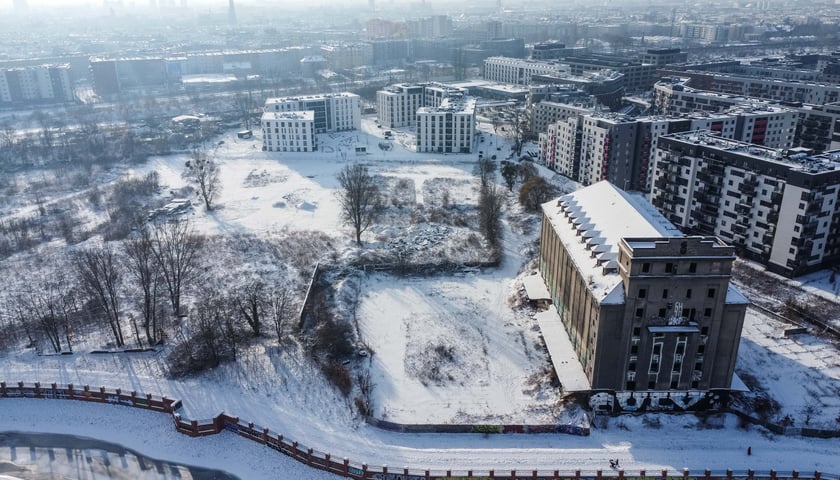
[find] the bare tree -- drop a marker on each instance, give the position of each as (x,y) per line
(203,172)
(250,302)
(176,248)
(279,308)
(143,269)
(244,105)
(485,169)
(99,277)
(509,173)
(360,200)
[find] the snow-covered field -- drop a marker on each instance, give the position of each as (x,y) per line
(454,348)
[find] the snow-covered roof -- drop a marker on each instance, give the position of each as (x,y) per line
(591,221)
(535,287)
(563,356)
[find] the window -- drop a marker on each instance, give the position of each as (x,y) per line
(680,349)
(637,330)
(665,293)
(677,366)
(631,385)
(669,267)
(701,348)
(657,348)
(646,267)
(711,293)
(675,383)
(651,384)
(707,312)
(692,267)
(642,292)
(704,331)
(634,349)
(632,367)
(662,312)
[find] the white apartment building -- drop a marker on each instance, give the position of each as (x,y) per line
(448,128)
(776,208)
(333,112)
(397,105)
(520,71)
(38,84)
(289,131)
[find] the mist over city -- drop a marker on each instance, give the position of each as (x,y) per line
(413,240)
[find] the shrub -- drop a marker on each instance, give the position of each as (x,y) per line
(338,375)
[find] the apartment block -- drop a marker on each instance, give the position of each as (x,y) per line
(34,85)
(333,112)
(289,131)
(397,105)
(448,128)
(778,207)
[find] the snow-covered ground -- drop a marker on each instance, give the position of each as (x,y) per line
(489,361)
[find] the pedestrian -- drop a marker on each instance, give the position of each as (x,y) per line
(749,450)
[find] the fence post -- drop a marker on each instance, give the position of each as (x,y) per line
(469,473)
(20,385)
(119,391)
(598,473)
(685,473)
(70,389)
(427,474)
(642,473)
(534,474)
(556,474)
(728,473)
(449,473)
(577,473)
(3,388)
(794,474)
(194,426)
(309,455)
(492,474)
(751,473)
(773,474)
(346,466)
(38,389)
(817,475)
(513,474)
(385,469)
(707,474)
(664,473)
(265,438)
(621,473)
(405,471)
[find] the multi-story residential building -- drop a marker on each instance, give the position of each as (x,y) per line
(560,146)
(289,131)
(397,105)
(21,86)
(621,149)
(546,112)
(448,128)
(520,71)
(648,311)
(607,150)
(778,89)
(817,126)
(638,77)
(778,208)
(334,112)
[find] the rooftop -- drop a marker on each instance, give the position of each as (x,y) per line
(454,104)
(797,161)
(590,222)
(306,115)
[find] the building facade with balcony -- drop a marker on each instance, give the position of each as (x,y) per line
(333,112)
(648,311)
(777,207)
(448,128)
